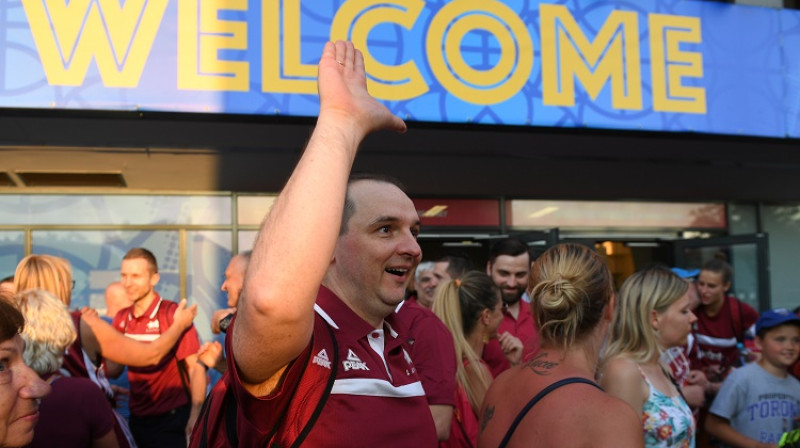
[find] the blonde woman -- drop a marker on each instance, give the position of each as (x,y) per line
(76,413)
(471,310)
(653,315)
(551,400)
(97,341)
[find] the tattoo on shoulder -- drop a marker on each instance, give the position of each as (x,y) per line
(540,365)
(488,413)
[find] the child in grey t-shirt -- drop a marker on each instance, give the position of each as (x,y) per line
(761,401)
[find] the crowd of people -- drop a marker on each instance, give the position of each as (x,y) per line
(521,352)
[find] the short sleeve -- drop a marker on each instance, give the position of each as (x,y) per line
(726,403)
(271,407)
(435,359)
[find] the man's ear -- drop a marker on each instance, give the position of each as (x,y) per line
(154,279)
(489,268)
(759,343)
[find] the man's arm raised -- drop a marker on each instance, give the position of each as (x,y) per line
(275,316)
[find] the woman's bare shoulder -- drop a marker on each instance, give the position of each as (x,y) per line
(619,368)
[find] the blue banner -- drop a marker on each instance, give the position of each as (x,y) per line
(671,65)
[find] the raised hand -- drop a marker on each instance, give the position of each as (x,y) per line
(343,92)
(184,315)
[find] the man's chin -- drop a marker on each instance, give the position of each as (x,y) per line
(512,300)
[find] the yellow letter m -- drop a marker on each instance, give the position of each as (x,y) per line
(118,37)
(612,55)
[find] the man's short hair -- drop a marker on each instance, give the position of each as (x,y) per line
(508,246)
(141,252)
(349,204)
(458,264)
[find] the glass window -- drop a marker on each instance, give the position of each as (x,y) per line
(596,214)
(114,209)
(251,210)
(782,224)
(207,256)
(12,250)
(742,219)
(247,239)
(96,257)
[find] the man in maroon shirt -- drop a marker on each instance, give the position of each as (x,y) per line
(332,261)
(165,399)
(509,265)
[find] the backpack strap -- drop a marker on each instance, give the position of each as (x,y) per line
(328,387)
(737,319)
(536,399)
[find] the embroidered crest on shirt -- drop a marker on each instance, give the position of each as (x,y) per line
(353,362)
(322,360)
(152,325)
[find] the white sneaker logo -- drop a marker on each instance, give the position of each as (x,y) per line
(353,362)
(322,360)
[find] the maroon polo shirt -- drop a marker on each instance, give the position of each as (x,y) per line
(377,398)
(432,350)
(157,389)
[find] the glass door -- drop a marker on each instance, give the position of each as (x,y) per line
(747,254)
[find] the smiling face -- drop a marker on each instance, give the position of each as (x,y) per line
(510,274)
(493,319)
(675,323)
(779,347)
(426,288)
(138,278)
(20,390)
(374,257)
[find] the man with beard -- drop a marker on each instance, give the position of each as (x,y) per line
(509,265)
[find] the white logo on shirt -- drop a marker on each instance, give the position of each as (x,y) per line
(152,325)
(353,362)
(322,359)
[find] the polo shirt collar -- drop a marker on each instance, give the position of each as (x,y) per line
(349,325)
(524,309)
(151,311)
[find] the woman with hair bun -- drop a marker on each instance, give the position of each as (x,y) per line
(471,310)
(551,400)
(653,315)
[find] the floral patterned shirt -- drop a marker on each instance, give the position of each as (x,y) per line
(667,421)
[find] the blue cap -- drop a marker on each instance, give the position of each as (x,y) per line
(773,318)
(686,273)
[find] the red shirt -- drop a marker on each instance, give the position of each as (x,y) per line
(432,350)
(523,328)
(157,389)
(716,337)
(76,413)
(78,364)
(372,403)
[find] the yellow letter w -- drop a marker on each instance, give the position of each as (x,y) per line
(119,38)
